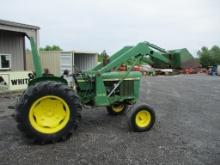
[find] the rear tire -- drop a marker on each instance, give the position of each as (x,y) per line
(116,109)
(48,112)
(141,117)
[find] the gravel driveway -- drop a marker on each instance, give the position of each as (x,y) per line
(187,130)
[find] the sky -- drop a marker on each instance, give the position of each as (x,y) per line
(97,25)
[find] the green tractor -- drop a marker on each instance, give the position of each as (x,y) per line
(49,110)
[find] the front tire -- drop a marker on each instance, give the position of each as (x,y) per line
(141,118)
(116,109)
(48,112)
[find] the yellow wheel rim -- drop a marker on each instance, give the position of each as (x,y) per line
(49,114)
(143,118)
(118,108)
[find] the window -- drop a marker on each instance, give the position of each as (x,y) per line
(5,61)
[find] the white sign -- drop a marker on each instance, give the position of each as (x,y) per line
(4,79)
(14,80)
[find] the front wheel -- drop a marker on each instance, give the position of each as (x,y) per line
(117,109)
(141,118)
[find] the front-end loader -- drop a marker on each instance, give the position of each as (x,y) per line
(49,110)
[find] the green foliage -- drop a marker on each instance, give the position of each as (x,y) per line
(209,57)
(102,56)
(51,48)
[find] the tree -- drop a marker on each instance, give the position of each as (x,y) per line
(215,54)
(209,57)
(102,56)
(204,57)
(51,48)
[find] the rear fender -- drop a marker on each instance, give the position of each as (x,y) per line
(47,78)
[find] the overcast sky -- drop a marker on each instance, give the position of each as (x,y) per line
(95,25)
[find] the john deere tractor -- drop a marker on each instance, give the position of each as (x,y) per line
(49,110)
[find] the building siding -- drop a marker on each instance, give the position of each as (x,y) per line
(49,60)
(13,43)
(53,60)
(85,61)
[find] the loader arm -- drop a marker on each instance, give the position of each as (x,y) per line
(143,49)
(117,54)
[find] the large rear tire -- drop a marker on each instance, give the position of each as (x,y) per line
(48,112)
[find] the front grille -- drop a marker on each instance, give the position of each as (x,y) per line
(127,88)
